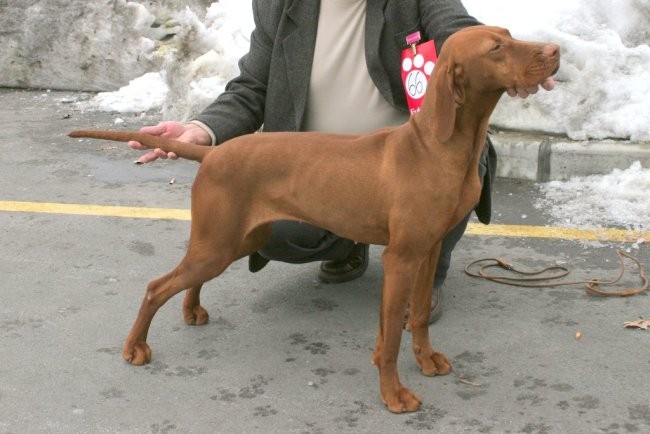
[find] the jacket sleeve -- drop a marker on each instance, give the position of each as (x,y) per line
(240,108)
(441,18)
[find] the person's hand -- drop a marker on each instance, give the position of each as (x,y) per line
(523,92)
(189,133)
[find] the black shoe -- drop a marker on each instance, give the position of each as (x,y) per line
(256,262)
(346,269)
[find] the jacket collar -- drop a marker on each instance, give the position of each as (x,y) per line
(298,47)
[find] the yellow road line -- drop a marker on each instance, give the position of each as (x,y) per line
(520,231)
(96,210)
(557,232)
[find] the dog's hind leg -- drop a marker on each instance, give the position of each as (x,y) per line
(193,312)
(430,362)
(203,261)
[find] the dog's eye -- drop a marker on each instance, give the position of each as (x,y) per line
(496,48)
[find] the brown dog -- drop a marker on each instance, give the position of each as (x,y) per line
(402,187)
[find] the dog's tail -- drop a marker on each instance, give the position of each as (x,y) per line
(189,151)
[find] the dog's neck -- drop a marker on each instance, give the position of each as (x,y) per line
(470,123)
(473,117)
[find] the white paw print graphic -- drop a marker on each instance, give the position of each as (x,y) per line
(418,73)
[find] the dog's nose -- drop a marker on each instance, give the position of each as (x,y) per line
(551,50)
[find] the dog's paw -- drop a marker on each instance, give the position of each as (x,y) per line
(139,354)
(433,364)
(403,401)
(197,315)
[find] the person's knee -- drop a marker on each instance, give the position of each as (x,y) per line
(296,242)
(289,237)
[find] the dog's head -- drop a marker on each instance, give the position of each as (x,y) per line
(479,63)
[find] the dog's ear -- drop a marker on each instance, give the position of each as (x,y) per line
(449,93)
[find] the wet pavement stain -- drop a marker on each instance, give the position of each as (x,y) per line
(222,323)
(317,348)
(297,339)
(537,428)
(640,412)
(562,387)
(530,399)
(189,371)
(225,395)
(426,419)
(255,389)
(586,402)
(264,411)
(156,368)
(353,343)
(557,319)
(494,302)
(529,383)
(68,311)
(351,416)
(351,371)
(11,327)
(324,305)
(323,373)
(208,354)
(142,248)
(467,393)
(470,369)
(615,428)
(112,393)
(469,357)
(111,351)
(162,428)
(312,428)
(476,426)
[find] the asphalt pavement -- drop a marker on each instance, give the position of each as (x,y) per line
(82,232)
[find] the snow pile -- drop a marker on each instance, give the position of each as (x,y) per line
(621,198)
(197,63)
(604,78)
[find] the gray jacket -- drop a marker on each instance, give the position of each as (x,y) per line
(271,90)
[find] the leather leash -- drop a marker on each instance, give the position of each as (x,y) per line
(537,279)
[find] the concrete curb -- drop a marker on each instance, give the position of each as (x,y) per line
(543,158)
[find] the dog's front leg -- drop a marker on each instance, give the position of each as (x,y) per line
(430,362)
(399,277)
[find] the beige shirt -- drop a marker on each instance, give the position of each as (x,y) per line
(342,97)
